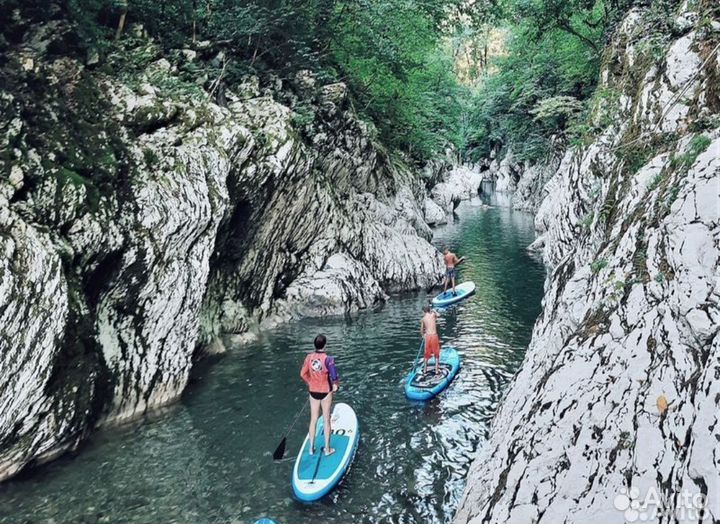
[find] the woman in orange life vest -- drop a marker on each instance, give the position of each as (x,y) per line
(320,374)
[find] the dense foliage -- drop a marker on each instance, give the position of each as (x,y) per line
(390,53)
(480,75)
(545,77)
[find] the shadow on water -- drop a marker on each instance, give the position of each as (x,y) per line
(209,458)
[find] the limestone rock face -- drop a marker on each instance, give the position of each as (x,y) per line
(506,174)
(618,393)
(434,214)
(460,183)
(128,242)
(530,189)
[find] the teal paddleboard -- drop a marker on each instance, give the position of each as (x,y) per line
(314,476)
(463,291)
(425,387)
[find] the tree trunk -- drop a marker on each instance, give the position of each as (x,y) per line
(194,21)
(121,22)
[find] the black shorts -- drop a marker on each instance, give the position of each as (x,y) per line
(318,396)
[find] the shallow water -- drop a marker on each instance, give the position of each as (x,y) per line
(208,458)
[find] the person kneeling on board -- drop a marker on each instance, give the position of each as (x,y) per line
(451,260)
(319,373)
(428,330)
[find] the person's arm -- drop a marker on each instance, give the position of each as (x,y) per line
(459,261)
(332,372)
(305,372)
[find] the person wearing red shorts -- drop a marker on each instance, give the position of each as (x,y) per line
(428,330)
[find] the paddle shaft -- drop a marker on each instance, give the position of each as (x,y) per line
(297,416)
(280,450)
(417,357)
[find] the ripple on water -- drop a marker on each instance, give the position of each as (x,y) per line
(208,459)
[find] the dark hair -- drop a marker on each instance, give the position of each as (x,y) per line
(320,341)
(445,248)
(426,308)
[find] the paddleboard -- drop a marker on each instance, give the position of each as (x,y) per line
(314,476)
(265,520)
(425,387)
(464,290)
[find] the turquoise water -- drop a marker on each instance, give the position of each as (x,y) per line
(208,458)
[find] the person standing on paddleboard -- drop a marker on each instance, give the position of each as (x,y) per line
(428,330)
(451,260)
(319,373)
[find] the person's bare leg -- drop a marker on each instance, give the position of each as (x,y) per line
(445,284)
(327,411)
(437,360)
(453,284)
(314,414)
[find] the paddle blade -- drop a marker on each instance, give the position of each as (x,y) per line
(280,450)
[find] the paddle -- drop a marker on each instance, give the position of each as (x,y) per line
(417,357)
(280,450)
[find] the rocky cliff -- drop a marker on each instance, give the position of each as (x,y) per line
(617,401)
(148,205)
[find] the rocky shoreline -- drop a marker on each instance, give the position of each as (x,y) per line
(209,214)
(618,394)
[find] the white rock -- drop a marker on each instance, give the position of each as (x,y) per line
(434,214)
(581,420)
(682,61)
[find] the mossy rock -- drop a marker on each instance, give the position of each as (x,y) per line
(152,117)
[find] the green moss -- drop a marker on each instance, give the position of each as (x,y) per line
(656,181)
(698,145)
(92,194)
(671,196)
(68,176)
(640,261)
(150,157)
(598,265)
(607,209)
(635,156)
(303,116)
(587,220)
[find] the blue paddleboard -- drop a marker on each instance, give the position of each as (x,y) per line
(464,290)
(425,387)
(314,476)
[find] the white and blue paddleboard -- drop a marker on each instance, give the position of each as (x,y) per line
(464,290)
(425,387)
(314,476)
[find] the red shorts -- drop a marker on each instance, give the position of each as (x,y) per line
(432,346)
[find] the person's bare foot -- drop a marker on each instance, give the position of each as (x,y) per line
(329,451)
(312,450)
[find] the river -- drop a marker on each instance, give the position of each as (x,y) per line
(208,458)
